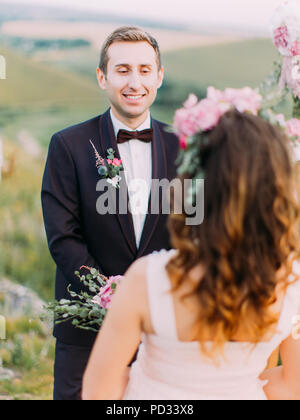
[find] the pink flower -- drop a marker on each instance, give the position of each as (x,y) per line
(280,118)
(219,97)
(207,114)
(244,100)
(103,299)
(216,95)
(295,48)
(117,162)
(184,123)
(289,76)
(191,101)
(293,129)
(110,162)
(183,142)
(281,39)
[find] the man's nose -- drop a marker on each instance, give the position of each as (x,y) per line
(134,81)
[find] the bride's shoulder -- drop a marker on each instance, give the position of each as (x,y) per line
(139,267)
(139,270)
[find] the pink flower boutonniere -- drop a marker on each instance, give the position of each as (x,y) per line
(109,168)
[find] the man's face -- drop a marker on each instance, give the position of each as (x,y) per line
(132,78)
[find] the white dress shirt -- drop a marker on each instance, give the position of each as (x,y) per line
(136,156)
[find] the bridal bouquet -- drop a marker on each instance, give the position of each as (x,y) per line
(86,311)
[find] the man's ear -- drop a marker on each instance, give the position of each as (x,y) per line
(161,75)
(101,79)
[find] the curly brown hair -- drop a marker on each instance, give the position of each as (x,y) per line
(250,230)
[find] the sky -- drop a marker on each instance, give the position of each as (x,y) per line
(255,13)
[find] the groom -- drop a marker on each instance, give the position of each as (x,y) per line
(130,72)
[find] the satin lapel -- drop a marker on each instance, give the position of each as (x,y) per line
(159,171)
(108,140)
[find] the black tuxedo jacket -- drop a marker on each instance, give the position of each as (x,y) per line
(77,235)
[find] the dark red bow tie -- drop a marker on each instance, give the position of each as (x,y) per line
(145,136)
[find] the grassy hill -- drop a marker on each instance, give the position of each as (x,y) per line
(43,99)
(230,65)
(235,64)
(33,85)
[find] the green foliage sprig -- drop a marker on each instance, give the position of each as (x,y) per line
(81,311)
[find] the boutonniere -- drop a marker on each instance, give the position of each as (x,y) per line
(109,168)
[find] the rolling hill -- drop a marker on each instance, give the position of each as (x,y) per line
(234,64)
(42,99)
(33,85)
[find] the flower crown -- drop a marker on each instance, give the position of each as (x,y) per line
(200,117)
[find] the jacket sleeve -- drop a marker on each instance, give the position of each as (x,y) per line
(61,211)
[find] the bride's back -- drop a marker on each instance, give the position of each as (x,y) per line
(187,311)
(170,363)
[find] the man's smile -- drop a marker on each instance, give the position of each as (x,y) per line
(131,97)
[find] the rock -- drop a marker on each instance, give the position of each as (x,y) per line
(18,301)
(6,375)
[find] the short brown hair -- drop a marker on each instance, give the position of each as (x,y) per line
(128,34)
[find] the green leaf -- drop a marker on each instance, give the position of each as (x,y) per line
(95,313)
(64,302)
(73,310)
(84,313)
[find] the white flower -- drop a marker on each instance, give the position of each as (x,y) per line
(115,182)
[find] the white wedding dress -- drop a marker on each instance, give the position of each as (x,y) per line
(168,369)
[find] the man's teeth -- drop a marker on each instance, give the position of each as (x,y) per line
(134,97)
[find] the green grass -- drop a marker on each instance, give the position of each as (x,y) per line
(34,85)
(24,253)
(43,123)
(43,99)
(229,65)
(30,353)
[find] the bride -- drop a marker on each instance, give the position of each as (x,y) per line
(210,312)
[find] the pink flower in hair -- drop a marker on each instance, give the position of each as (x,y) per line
(207,114)
(293,129)
(191,101)
(281,120)
(216,95)
(219,97)
(185,123)
(183,142)
(244,100)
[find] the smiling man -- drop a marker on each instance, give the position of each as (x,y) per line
(130,72)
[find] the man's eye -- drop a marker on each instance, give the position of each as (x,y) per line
(122,71)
